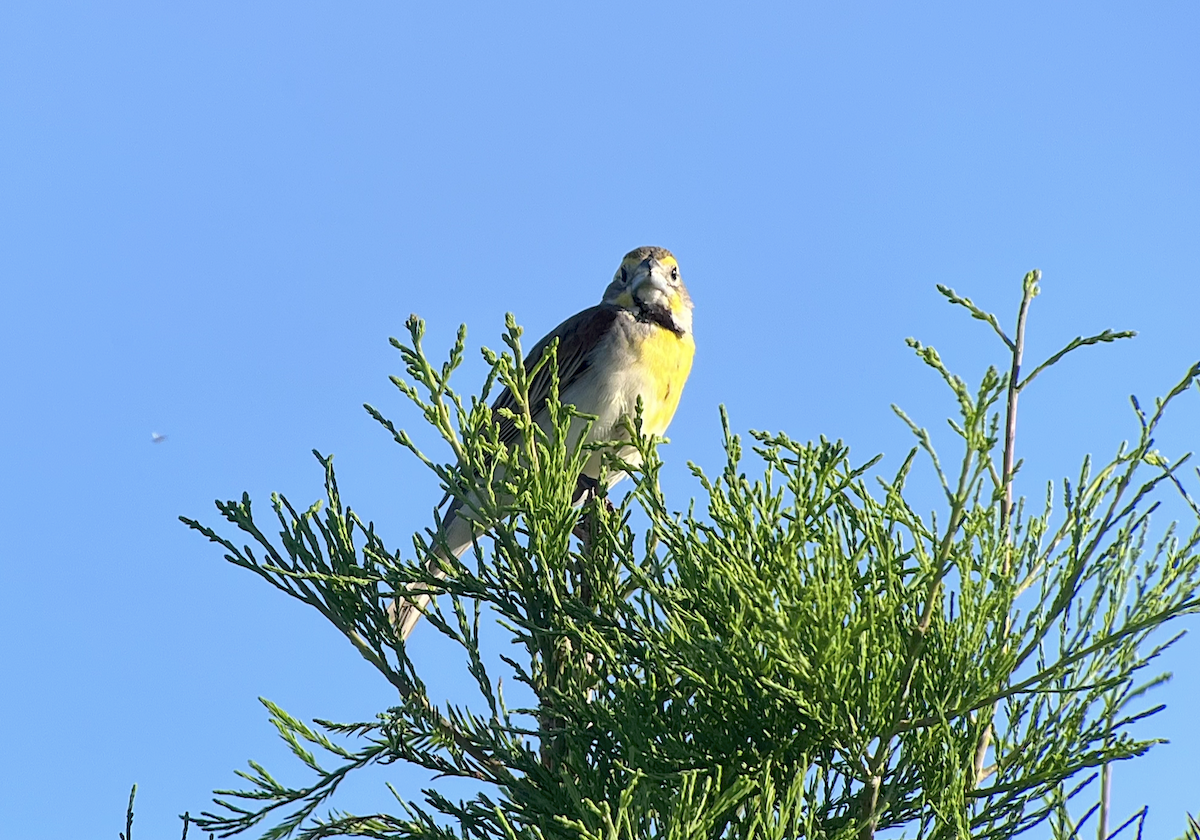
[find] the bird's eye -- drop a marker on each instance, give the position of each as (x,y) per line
(675,273)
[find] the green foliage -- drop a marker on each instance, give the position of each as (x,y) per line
(801,654)
(127,834)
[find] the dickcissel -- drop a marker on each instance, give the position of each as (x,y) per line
(637,342)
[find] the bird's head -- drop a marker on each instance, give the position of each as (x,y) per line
(649,285)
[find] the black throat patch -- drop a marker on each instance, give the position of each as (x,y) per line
(658,314)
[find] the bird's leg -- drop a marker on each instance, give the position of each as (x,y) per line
(587,493)
(587,489)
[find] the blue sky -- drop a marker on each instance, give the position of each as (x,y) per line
(213,215)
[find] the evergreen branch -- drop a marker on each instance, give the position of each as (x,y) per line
(976,313)
(795,655)
(1106,337)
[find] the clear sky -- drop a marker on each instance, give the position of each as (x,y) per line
(213,215)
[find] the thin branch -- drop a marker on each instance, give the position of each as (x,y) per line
(1029,292)
(1105,337)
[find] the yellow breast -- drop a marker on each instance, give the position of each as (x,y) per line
(665,360)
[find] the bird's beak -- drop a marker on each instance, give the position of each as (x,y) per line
(651,282)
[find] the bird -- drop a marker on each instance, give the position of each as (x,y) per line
(637,342)
(157,438)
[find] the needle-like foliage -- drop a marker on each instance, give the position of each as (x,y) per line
(801,654)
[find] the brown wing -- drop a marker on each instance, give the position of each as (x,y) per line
(577,337)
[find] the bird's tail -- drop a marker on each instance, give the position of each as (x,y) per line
(406,612)
(460,533)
